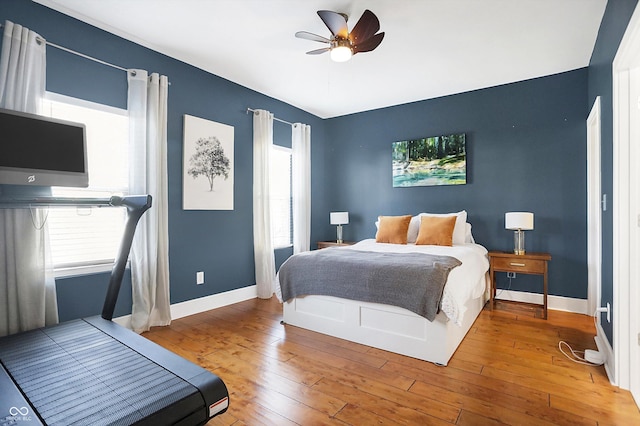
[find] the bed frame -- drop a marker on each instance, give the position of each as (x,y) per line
(381,326)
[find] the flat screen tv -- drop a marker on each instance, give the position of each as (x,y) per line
(42,151)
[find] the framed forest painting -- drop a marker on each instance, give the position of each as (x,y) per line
(436,160)
(207,165)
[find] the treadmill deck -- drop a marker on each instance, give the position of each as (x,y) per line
(75,373)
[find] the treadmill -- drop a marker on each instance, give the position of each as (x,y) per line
(92,371)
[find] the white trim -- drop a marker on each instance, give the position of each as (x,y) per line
(621,173)
(604,347)
(64,99)
(556,303)
(633,302)
(594,208)
(625,247)
(78,271)
(202,304)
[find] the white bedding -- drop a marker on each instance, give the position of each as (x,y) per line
(465,282)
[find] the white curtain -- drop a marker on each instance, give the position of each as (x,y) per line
(301,186)
(262,241)
(27,284)
(147,105)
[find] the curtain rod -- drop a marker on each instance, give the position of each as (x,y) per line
(91,58)
(82,55)
(66,49)
(274,117)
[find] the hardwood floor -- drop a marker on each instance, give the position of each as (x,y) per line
(508,370)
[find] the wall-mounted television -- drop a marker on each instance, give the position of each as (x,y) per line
(42,151)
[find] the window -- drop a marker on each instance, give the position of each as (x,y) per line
(84,237)
(281,200)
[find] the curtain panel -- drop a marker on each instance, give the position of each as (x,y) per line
(301,186)
(27,284)
(147,105)
(262,241)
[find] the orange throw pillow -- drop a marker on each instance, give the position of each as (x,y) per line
(437,231)
(393,229)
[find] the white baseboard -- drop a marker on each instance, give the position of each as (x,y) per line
(603,345)
(195,306)
(557,303)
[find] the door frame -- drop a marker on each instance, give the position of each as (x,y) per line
(594,209)
(626,127)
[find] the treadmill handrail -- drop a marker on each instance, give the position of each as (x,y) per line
(136,206)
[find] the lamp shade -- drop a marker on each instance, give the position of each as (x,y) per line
(339,218)
(518,220)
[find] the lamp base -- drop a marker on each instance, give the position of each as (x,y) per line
(339,234)
(518,242)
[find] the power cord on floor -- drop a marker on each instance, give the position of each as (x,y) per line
(589,356)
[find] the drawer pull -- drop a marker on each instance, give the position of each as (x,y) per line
(517,264)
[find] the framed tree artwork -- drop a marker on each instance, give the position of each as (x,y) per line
(207,165)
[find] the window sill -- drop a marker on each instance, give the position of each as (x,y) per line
(283,247)
(78,271)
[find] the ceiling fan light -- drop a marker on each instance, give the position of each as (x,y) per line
(341,54)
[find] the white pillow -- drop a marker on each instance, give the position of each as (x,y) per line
(459,231)
(468,236)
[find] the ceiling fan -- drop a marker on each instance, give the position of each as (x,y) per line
(342,43)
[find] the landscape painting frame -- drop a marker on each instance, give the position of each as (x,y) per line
(431,161)
(208,165)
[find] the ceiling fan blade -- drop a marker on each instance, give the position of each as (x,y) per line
(318,51)
(313,37)
(367,26)
(336,23)
(369,44)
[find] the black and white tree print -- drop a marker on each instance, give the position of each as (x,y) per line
(209,160)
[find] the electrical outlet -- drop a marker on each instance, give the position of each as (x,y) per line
(200,277)
(511,274)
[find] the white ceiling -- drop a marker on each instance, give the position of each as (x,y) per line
(431,48)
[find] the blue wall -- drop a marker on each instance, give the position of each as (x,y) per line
(612,28)
(525,151)
(525,147)
(220,243)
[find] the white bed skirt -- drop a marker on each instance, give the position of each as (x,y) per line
(381,326)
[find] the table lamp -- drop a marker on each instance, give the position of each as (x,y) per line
(519,222)
(339,218)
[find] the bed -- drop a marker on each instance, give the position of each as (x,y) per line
(393,328)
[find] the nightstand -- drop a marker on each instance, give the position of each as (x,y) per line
(528,263)
(325,244)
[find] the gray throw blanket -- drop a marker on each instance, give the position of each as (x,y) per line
(414,281)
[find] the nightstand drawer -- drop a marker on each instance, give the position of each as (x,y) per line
(511,264)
